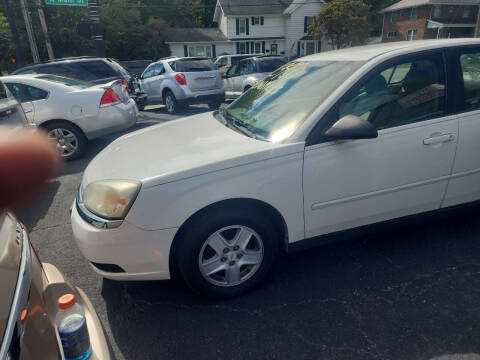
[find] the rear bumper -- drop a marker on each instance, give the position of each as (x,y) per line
(113,118)
(56,286)
(204,99)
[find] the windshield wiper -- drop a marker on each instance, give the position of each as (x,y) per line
(239,125)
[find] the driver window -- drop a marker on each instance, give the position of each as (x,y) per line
(233,70)
(407,92)
(250,67)
(242,68)
(148,73)
(158,70)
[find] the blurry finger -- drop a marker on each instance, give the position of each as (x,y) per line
(27,161)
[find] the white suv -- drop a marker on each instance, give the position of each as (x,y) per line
(176,82)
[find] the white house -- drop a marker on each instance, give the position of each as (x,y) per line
(274,27)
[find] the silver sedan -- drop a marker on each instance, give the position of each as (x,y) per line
(73,111)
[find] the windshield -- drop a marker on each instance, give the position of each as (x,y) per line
(66,81)
(276,107)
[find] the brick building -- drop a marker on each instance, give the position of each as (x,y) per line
(430,19)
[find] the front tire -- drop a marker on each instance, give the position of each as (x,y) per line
(227,253)
(214,105)
(171,103)
(71,141)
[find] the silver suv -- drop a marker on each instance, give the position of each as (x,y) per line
(177,82)
(11,112)
(248,72)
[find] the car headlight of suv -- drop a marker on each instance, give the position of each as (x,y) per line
(110,199)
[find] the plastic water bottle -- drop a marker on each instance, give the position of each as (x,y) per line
(72,328)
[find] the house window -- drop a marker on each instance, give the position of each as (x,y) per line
(257,48)
(393,16)
(412,34)
(392,34)
(309,20)
(200,50)
(255,21)
(307,48)
(467,12)
(414,13)
(242,26)
(437,11)
(242,49)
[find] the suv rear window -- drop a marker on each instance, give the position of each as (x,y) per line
(269,65)
(192,65)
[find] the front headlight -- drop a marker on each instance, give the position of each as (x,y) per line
(111,199)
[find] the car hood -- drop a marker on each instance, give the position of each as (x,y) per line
(179,149)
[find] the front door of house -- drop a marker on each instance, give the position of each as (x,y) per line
(273,49)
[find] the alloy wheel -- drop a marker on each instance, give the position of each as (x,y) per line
(231,255)
(67,142)
(169,103)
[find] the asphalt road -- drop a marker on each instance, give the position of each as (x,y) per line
(408,290)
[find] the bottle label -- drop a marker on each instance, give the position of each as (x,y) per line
(74,336)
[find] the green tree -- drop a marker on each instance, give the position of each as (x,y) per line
(6,46)
(343,22)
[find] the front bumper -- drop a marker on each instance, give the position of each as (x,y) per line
(137,254)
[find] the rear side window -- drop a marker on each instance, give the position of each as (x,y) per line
(3,92)
(193,65)
(269,65)
(26,93)
(66,81)
(96,69)
(470,63)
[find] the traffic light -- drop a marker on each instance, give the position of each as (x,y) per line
(13,60)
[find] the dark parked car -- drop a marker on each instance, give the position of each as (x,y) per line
(92,69)
(137,67)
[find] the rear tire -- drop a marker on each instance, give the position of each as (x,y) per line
(229,266)
(71,141)
(170,102)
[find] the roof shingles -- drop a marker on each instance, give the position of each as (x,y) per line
(254,7)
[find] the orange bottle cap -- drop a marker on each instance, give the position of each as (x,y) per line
(23,316)
(66,301)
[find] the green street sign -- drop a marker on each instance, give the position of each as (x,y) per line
(67,2)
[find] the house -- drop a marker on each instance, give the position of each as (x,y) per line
(274,27)
(430,19)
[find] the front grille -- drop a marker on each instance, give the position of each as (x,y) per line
(112,268)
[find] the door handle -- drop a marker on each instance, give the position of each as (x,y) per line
(27,111)
(438,139)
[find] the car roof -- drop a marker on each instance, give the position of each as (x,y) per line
(35,80)
(368,52)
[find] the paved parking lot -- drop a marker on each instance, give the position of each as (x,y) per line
(408,290)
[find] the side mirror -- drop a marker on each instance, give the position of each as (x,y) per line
(351,127)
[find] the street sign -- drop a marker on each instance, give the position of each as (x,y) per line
(67,2)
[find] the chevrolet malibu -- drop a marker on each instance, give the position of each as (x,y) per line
(328,142)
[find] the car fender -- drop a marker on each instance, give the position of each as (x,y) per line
(276,181)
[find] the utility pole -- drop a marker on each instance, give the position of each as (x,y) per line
(13,29)
(97,27)
(31,38)
(48,43)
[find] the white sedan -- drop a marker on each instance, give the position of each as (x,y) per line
(328,142)
(73,111)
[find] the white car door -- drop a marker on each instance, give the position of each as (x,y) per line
(30,97)
(404,171)
(464,185)
(230,78)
